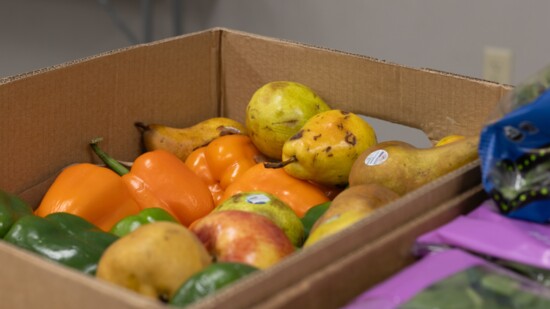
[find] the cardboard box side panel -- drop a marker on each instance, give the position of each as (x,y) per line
(48,119)
(349,276)
(434,102)
(29,281)
(254,290)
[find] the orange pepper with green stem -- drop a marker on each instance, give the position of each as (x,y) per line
(299,194)
(160,179)
(223,161)
(92,192)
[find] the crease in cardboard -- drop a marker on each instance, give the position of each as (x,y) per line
(218,93)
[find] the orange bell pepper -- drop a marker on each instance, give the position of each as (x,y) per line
(223,161)
(299,194)
(94,193)
(197,162)
(160,179)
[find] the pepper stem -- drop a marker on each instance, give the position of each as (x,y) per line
(280,163)
(142,127)
(108,160)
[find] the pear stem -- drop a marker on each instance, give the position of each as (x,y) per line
(142,127)
(280,163)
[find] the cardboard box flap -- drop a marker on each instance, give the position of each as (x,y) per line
(437,103)
(56,112)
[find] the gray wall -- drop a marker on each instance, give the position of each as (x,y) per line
(438,34)
(443,35)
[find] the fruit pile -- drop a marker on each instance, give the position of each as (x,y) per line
(208,204)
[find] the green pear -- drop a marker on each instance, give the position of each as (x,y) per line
(270,206)
(278,110)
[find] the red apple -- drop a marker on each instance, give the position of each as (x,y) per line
(241,236)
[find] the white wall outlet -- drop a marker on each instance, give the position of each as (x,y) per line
(497,64)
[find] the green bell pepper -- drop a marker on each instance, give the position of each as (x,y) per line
(208,281)
(146,216)
(312,215)
(11,209)
(63,238)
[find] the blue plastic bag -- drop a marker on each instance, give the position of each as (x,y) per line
(515,152)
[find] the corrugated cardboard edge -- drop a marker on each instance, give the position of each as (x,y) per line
(312,46)
(8,79)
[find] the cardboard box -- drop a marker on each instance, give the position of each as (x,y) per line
(48,117)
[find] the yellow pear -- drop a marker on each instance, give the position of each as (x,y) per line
(401,167)
(367,198)
(154,260)
(182,141)
(348,207)
(325,148)
(333,225)
(276,111)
